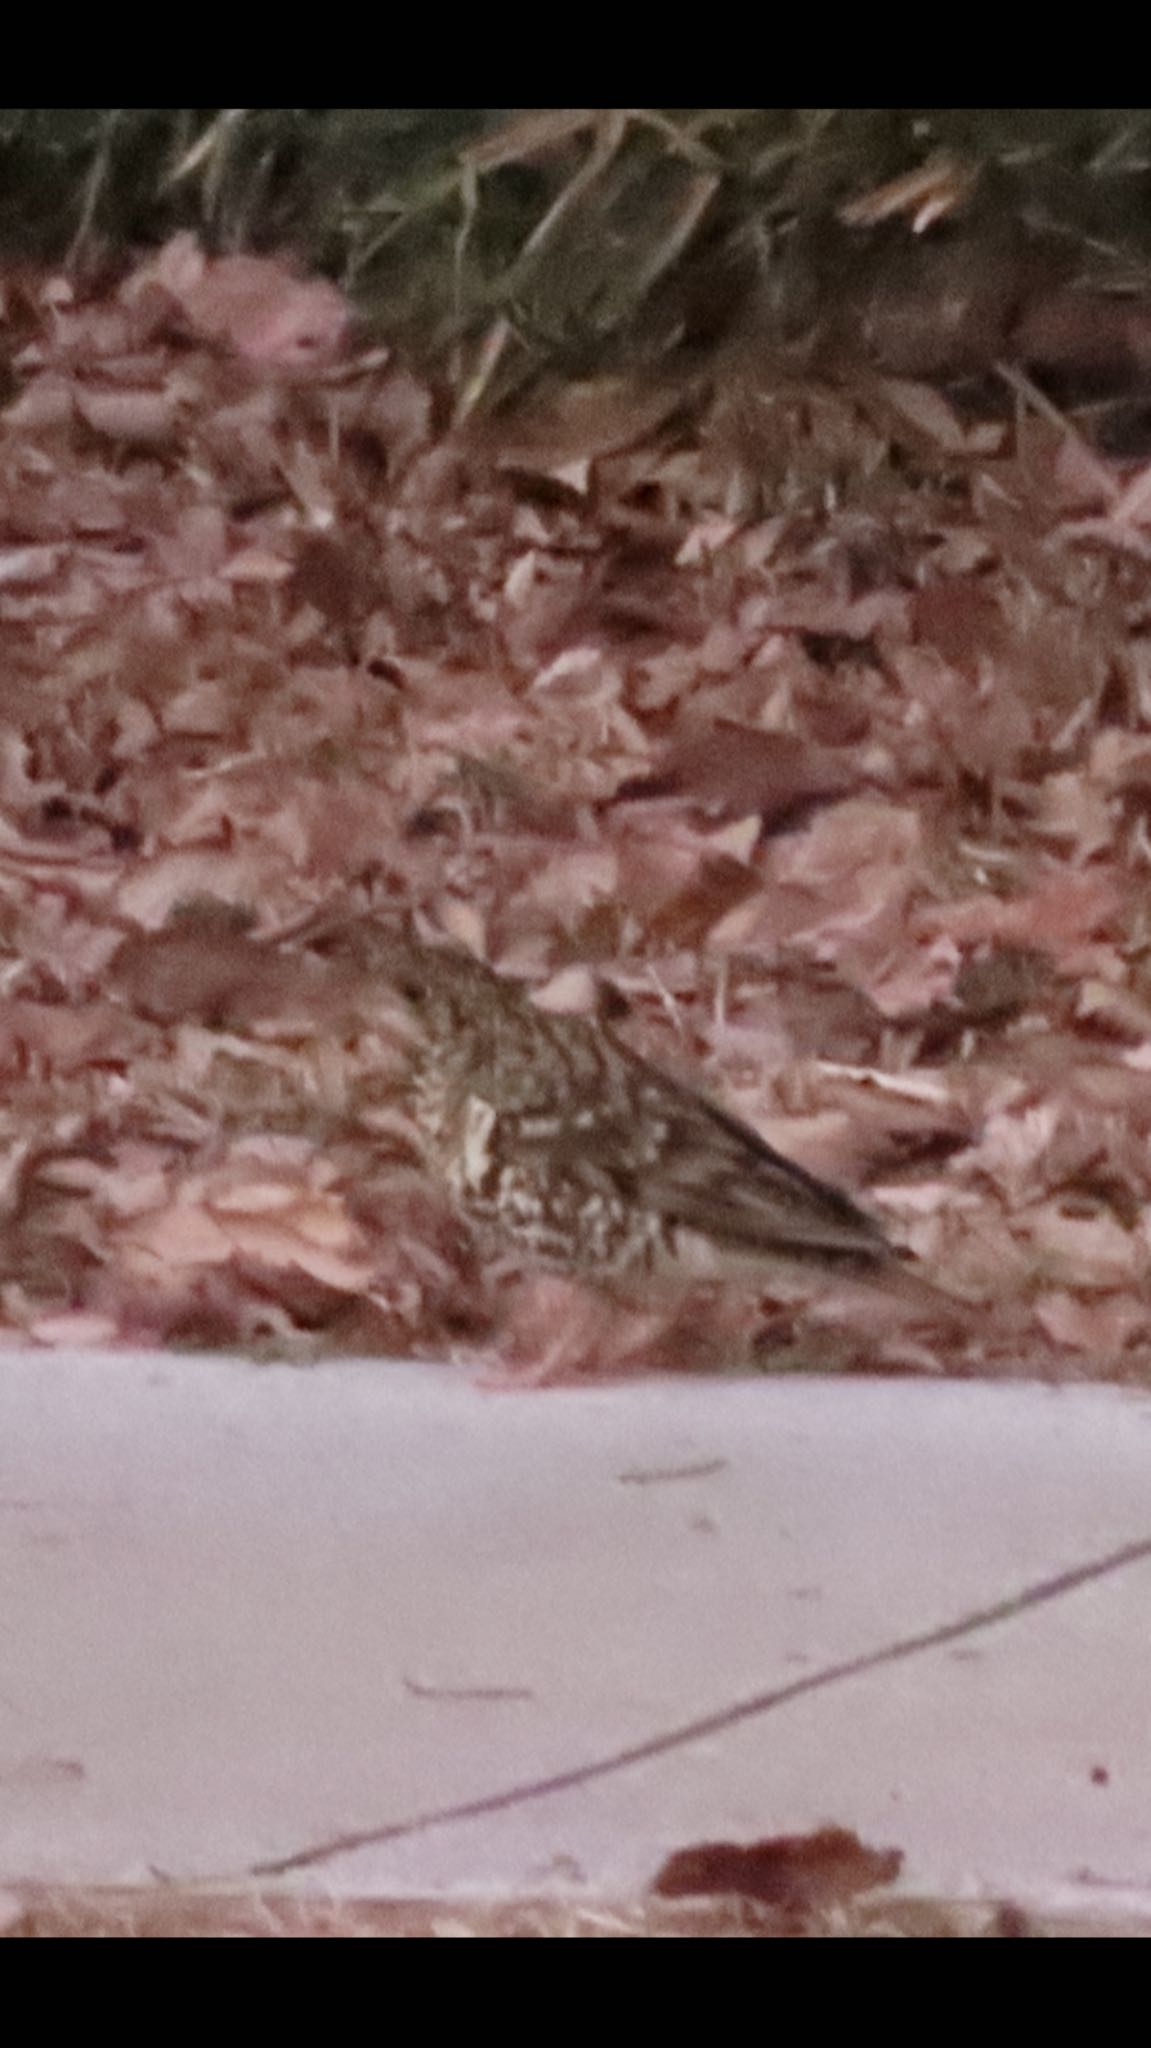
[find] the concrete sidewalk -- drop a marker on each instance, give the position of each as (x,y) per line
(532,1645)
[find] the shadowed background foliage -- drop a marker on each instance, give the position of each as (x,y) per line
(504,242)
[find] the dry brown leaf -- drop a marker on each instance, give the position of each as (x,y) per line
(735,770)
(798,1872)
(1099,1329)
(254,303)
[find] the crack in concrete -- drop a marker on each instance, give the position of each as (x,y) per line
(1039,1594)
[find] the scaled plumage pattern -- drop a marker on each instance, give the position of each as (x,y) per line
(567,1148)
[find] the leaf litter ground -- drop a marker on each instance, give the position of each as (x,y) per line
(814,719)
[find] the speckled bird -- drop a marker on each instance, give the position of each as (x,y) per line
(566,1148)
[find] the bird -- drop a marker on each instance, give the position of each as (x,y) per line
(563,1147)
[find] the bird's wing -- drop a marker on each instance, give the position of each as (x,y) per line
(717,1176)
